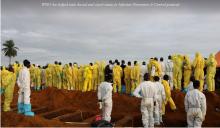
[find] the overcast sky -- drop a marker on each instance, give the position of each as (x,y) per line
(85,34)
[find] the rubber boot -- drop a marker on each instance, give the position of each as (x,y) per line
(20,108)
(27,110)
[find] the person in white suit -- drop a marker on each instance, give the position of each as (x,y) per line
(24,105)
(195,106)
(105,98)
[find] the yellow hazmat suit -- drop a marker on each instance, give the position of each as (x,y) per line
(158,70)
(127,79)
(64,76)
(117,74)
(187,71)
(211,70)
(135,77)
(102,71)
(149,66)
(168,97)
(69,77)
(33,76)
(81,79)
(95,76)
(37,72)
(54,76)
(48,75)
(9,79)
(198,65)
(75,77)
(58,76)
(88,79)
(177,71)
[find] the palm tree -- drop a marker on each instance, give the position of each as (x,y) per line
(9,49)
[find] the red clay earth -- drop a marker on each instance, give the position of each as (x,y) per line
(64,108)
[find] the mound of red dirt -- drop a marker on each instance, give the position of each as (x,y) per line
(53,107)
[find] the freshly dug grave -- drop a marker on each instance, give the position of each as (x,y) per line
(65,108)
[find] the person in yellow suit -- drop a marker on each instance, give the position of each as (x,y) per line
(32,75)
(9,81)
(135,76)
(187,72)
(198,65)
(149,68)
(158,70)
(4,73)
(117,74)
(127,78)
(87,78)
(177,71)
(211,71)
(48,75)
(69,75)
(95,76)
(102,72)
(37,72)
(64,76)
(80,76)
(168,95)
(54,77)
(75,77)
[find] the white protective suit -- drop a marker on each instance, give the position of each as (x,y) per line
(195,106)
(169,72)
(105,95)
(163,67)
(143,71)
(148,95)
(24,86)
(160,97)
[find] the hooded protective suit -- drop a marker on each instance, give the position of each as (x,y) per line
(75,77)
(158,71)
(88,79)
(177,71)
(135,77)
(169,72)
(211,71)
(37,72)
(195,106)
(187,71)
(58,70)
(102,71)
(198,65)
(149,67)
(160,98)
(69,77)
(127,79)
(64,76)
(10,80)
(168,97)
(24,92)
(33,76)
(95,76)
(105,97)
(117,74)
(48,75)
(80,76)
(148,95)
